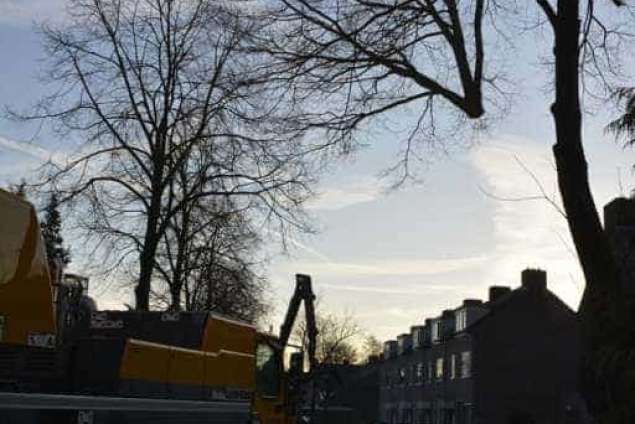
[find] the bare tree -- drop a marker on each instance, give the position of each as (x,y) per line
(355,60)
(208,258)
(372,348)
(376,57)
(154,91)
(336,339)
(209,261)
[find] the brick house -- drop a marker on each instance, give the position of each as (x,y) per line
(511,359)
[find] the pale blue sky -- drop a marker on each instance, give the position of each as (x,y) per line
(392,258)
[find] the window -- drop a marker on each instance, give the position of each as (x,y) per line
(436,330)
(461,320)
(411,375)
(466,364)
(453,367)
(439,369)
(430,372)
(267,371)
(420,371)
(402,375)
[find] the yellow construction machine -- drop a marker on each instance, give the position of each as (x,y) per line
(63,361)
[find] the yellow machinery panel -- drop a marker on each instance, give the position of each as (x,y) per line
(230,369)
(27,314)
(145,361)
(158,363)
(186,367)
(226,334)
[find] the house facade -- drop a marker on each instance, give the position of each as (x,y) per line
(510,359)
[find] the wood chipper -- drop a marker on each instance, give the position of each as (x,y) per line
(128,366)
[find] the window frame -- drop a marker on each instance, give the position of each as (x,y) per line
(436,331)
(466,365)
(439,369)
(453,364)
(461,320)
(420,373)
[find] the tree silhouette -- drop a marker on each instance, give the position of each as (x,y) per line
(156,90)
(52,232)
(624,125)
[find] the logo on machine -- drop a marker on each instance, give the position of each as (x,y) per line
(85,417)
(170,316)
(100,320)
(41,339)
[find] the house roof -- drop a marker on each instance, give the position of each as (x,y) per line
(499,304)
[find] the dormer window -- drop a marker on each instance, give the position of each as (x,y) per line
(437,330)
(461,320)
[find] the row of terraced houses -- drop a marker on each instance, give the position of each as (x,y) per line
(510,359)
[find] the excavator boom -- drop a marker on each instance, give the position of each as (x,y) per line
(303,293)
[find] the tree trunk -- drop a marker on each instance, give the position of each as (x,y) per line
(148,254)
(182,263)
(597,308)
(146,267)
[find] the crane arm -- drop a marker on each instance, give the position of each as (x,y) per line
(303,293)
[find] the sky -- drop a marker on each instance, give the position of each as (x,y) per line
(390,257)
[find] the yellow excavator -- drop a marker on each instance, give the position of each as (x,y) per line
(64,361)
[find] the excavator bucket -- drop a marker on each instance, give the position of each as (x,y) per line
(26,299)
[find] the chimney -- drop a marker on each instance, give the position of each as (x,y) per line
(472,302)
(496,292)
(404,343)
(448,322)
(390,349)
(418,336)
(534,279)
(619,223)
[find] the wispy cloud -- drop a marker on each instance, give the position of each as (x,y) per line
(420,288)
(361,191)
(389,267)
(38,154)
(29,149)
(528,230)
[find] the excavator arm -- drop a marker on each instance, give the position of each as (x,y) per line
(303,293)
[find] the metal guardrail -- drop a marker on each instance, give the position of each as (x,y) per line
(36,401)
